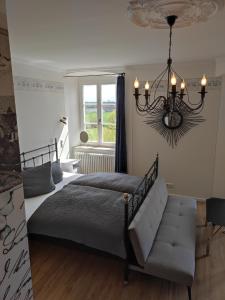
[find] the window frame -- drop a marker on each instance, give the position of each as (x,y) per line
(98,81)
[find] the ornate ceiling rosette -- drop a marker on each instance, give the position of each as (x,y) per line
(153,12)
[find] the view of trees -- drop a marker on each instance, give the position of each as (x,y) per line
(109,125)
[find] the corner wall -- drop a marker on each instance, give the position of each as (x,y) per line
(219,178)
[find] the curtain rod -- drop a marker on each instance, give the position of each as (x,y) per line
(107,74)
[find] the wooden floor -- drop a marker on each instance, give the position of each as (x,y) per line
(63,272)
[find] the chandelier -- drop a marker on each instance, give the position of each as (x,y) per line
(170,114)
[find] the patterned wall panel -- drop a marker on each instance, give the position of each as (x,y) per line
(39,85)
(15,273)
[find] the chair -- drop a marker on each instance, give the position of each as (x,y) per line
(215,214)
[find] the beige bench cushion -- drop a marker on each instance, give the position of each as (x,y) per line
(143,228)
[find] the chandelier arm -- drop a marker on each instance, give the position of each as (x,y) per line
(191,103)
(141,113)
(141,108)
(176,73)
(195,110)
(148,108)
(160,76)
(144,108)
(148,104)
(156,102)
(199,111)
(159,81)
(199,104)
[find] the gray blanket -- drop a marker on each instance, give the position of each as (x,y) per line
(111,181)
(87,215)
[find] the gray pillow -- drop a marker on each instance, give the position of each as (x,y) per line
(57,173)
(38,180)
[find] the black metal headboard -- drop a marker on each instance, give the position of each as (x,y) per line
(45,151)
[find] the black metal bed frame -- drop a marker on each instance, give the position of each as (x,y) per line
(52,148)
(132,204)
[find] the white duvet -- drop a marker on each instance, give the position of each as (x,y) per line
(32,204)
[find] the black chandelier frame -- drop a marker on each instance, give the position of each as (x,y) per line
(173,102)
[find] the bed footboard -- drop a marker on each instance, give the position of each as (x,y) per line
(132,203)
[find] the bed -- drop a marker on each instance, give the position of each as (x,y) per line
(93,210)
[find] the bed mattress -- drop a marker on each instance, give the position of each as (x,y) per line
(86,215)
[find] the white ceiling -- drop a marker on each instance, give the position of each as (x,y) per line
(74,34)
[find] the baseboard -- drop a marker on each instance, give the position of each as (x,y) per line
(197,198)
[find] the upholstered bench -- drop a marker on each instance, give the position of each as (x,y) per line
(163,236)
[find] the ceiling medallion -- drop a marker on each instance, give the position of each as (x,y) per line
(153,12)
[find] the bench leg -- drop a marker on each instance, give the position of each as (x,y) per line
(126,273)
(189,292)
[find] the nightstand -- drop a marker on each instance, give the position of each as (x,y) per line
(70,165)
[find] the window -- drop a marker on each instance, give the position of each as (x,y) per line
(98,103)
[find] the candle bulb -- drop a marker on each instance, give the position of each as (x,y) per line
(147,86)
(203,83)
(182,86)
(136,84)
(173,83)
(136,91)
(146,92)
(173,79)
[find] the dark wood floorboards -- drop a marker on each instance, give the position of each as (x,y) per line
(62,272)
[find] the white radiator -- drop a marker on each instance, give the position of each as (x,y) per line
(95,162)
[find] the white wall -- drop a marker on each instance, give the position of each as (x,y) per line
(72,111)
(40,105)
(190,166)
(219,179)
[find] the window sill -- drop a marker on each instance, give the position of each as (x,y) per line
(95,149)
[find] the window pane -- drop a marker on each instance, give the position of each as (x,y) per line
(90,93)
(109,114)
(108,93)
(92,130)
(90,113)
(109,133)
